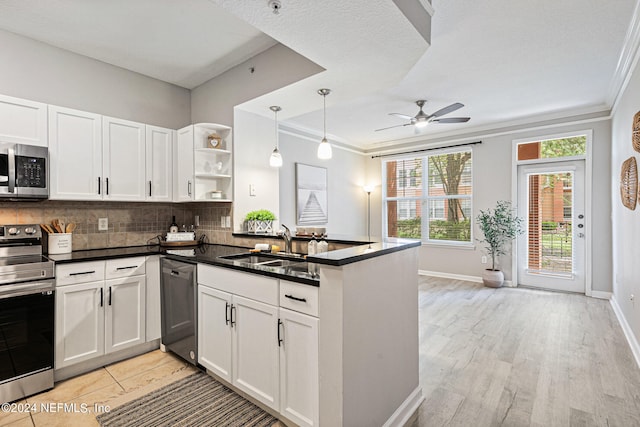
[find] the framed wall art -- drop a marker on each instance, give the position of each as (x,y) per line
(311,195)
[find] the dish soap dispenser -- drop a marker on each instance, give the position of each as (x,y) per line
(312,247)
(174,226)
(323,246)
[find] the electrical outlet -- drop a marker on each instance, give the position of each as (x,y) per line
(483,259)
(103,224)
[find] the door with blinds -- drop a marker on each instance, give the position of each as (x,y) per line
(551,199)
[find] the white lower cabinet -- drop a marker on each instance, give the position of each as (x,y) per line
(100,316)
(79,323)
(299,384)
(251,341)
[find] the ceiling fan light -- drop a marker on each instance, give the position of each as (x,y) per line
(421,123)
(324,150)
(275,161)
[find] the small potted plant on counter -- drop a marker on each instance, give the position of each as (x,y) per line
(498,226)
(260,221)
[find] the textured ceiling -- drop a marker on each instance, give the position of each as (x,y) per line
(185,42)
(507,61)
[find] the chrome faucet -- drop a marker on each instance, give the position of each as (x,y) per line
(286,235)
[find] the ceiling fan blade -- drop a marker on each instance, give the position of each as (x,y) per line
(402,116)
(452,120)
(446,110)
(391,127)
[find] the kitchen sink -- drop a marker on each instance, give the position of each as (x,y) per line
(265,260)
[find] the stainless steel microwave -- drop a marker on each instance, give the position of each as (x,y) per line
(24,171)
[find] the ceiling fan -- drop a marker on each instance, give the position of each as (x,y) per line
(422,119)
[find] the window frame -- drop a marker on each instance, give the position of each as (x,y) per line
(425,198)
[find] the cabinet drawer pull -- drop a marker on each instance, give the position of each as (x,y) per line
(296,298)
(126,268)
(226,313)
(81,273)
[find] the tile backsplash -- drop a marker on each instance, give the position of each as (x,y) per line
(130,223)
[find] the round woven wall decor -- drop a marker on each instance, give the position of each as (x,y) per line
(635,133)
(629,183)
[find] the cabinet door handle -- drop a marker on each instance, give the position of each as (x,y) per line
(189,188)
(280,336)
(101,297)
(149,188)
(107,183)
(226,313)
(296,298)
(99,185)
(233,309)
(127,268)
(82,272)
(109,295)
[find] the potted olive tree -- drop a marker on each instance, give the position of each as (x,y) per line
(260,221)
(499,226)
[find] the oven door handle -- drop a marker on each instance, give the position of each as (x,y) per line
(28,288)
(12,170)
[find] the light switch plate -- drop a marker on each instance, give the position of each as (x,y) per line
(103,224)
(252,190)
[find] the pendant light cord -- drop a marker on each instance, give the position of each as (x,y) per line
(324,110)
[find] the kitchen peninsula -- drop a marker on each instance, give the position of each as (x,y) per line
(364,300)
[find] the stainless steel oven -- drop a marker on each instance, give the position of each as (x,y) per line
(24,172)
(27,304)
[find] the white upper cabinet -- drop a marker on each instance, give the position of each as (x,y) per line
(183,165)
(75,150)
(159,161)
(22,121)
(123,159)
(203,163)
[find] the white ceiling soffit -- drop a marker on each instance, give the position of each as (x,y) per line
(184,42)
(507,61)
(363,46)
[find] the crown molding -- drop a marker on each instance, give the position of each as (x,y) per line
(627,61)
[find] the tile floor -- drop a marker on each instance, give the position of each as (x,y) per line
(113,385)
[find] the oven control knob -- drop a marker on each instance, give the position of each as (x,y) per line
(14,231)
(30,230)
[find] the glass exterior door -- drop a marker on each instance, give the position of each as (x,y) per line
(551,253)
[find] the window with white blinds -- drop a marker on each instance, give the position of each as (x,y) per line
(434,209)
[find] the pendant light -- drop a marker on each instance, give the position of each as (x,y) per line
(324,149)
(275,161)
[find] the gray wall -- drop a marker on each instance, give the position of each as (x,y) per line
(492,175)
(40,72)
(274,68)
(626,223)
(346,173)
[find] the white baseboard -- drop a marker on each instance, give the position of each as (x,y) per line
(475,279)
(406,410)
(601,295)
(628,333)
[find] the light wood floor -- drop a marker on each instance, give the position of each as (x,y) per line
(488,357)
(521,357)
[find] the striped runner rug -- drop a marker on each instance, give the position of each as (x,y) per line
(197,400)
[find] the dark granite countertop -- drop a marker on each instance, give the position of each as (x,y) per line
(303,272)
(359,253)
(333,238)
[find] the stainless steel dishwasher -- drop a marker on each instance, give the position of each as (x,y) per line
(179,304)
